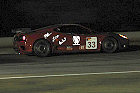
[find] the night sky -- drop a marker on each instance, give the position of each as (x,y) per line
(99,14)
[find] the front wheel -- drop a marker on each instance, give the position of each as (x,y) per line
(109,45)
(42,48)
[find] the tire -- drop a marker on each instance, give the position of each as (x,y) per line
(42,48)
(109,45)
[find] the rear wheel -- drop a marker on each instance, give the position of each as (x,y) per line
(42,48)
(109,45)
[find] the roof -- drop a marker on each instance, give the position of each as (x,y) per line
(56,25)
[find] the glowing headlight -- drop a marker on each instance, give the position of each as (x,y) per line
(123,36)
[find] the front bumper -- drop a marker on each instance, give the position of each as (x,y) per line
(124,44)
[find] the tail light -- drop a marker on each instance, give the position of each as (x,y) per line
(22,38)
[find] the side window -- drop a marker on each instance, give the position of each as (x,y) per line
(81,30)
(65,29)
(77,30)
(72,29)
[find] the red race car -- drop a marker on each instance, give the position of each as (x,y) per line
(67,38)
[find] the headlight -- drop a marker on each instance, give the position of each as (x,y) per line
(123,36)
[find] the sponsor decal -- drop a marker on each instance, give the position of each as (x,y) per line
(91,42)
(76,40)
(47,35)
(88,38)
(62,41)
(82,47)
(55,37)
(69,48)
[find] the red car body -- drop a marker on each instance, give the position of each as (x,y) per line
(65,38)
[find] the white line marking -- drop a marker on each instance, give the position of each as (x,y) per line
(63,75)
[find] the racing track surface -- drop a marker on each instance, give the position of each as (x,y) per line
(12,65)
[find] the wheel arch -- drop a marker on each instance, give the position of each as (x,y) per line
(45,40)
(118,42)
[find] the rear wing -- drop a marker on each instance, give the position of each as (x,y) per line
(22,30)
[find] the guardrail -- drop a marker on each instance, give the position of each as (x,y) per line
(134,38)
(6,42)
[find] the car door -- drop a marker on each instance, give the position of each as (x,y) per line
(88,40)
(64,42)
(75,40)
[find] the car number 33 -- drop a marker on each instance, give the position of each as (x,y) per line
(91,43)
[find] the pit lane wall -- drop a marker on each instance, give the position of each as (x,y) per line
(134,37)
(6,42)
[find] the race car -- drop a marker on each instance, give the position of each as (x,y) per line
(67,38)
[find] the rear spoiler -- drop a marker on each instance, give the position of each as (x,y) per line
(22,30)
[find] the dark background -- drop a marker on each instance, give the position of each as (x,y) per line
(100,15)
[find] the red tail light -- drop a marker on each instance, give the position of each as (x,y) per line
(23,38)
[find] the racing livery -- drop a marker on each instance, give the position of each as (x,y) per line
(67,38)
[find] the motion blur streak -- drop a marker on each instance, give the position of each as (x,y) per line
(63,75)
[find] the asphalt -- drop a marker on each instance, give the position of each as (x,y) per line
(13,64)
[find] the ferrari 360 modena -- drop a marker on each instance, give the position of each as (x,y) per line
(67,38)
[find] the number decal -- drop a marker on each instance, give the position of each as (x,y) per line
(91,43)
